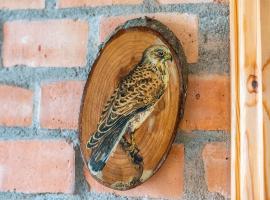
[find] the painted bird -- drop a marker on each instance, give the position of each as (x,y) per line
(128,107)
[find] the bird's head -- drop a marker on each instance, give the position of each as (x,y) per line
(157,54)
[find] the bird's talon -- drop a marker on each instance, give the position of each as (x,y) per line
(132,150)
(137,159)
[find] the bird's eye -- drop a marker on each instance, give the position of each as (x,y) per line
(160,53)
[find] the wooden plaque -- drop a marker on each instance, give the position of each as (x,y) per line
(117,56)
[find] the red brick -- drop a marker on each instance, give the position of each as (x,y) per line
(208,103)
(92,3)
(22,4)
(191,1)
(61,43)
(37,166)
(185,27)
(60,104)
(16,106)
(166,183)
(216,158)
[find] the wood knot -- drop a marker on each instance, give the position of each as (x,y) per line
(252,84)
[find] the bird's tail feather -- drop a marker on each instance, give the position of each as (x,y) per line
(102,152)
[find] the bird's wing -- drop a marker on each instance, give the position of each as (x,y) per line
(134,94)
(107,143)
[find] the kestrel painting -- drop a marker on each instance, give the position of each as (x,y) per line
(130,104)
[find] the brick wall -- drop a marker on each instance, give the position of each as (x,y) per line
(47,48)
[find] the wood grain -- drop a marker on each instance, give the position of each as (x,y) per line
(155,136)
(250,97)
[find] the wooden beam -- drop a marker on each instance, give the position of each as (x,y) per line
(250,98)
(265,48)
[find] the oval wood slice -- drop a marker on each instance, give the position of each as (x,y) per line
(154,137)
